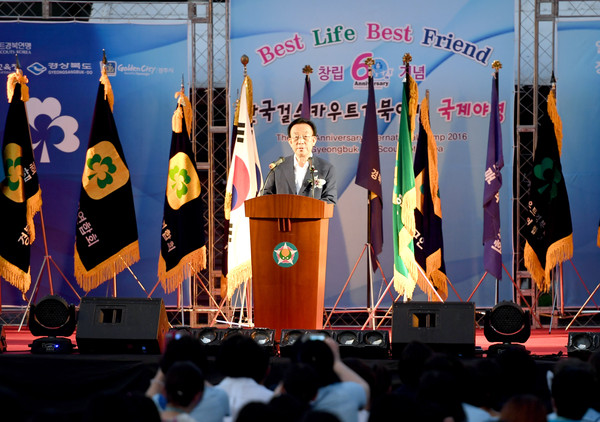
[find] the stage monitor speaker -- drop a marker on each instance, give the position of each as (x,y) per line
(121,325)
(445,327)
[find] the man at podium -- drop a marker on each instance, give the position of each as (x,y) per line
(301,173)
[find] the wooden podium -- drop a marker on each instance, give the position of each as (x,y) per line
(288,237)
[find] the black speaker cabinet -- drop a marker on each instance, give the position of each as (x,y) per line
(121,325)
(445,327)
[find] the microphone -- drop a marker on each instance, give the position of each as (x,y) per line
(276,163)
(272,167)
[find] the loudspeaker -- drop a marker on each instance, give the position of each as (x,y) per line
(445,327)
(121,325)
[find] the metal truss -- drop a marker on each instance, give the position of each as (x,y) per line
(535,68)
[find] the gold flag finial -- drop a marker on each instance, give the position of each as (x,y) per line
(406,59)
(244,59)
(496,65)
(307,70)
(370,62)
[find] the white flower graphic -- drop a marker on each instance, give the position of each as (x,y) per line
(44,118)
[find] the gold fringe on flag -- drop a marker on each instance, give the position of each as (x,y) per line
(15,276)
(189,264)
(437,277)
(249,102)
(237,276)
(12,80)
(556,120)
(558,252)
(413,104)
(107,269)
(184,102)
(108,92)
(432,158)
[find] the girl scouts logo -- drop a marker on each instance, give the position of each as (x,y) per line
(285,254)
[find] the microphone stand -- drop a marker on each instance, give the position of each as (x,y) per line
(312,177)
(272,168)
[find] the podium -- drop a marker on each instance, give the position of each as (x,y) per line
(288,237)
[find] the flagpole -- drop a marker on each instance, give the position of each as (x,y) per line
(369,62)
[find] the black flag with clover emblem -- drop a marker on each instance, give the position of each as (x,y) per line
(548,230)
(19,187)
(106,237)
(182,245)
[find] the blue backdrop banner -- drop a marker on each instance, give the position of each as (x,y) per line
(62,62)
(453,45)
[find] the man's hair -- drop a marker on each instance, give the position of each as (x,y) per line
(300,120)
(183,381)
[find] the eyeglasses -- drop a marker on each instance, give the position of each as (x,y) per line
(306,137)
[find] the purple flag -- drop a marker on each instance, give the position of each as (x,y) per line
(368,174)
(306,99)
(492,252)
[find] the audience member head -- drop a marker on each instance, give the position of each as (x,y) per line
(411,362)
(318,355)
(121,407)
(241,356)
(184,385)
(518,374)
(319,416)
(256,411)
(183,347)
(482,389)
(300,381)
(524,408)
(572,388)
(287,407)
(439,389)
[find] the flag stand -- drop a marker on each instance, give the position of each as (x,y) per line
(134,276)
(516,288)
(369,285)
(45,265)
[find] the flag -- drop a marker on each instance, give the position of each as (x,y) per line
(404,196)
(21,195)
(244,182)
(106,237)
(368,174)
(548,229)
(492,244)
(429,242)
(306,99)
(182,244)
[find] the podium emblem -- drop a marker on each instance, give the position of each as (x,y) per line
(285,254)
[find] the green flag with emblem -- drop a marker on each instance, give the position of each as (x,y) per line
(106,240)
(182,247)
(404,196)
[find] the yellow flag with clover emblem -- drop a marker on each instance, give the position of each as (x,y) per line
(21,196)
(106,237)
(183,246)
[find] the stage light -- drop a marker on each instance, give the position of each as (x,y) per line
(54,318)
(290,336)
(507,323)
(213,337)
(582,344)
(373,344)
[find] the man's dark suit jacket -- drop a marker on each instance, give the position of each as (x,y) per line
(282,180)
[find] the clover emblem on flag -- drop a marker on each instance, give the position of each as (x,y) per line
(181,179)
(102,169)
